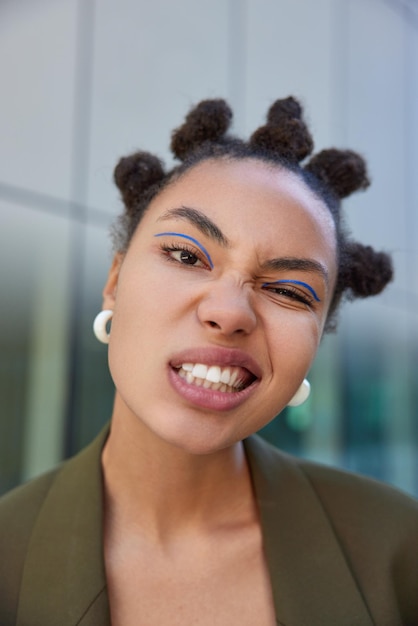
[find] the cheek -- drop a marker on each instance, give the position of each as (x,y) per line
(294,341)
(132,319)
(139,291)
(147,303)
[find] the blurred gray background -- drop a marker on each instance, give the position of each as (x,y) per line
(86,81)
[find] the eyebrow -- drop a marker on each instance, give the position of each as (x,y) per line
(198,219)
(296,264)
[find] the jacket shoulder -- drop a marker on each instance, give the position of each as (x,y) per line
(18,513)
(343,492)
(351,498)
(36,522)
(376,527)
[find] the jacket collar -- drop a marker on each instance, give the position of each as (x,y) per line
(311,580)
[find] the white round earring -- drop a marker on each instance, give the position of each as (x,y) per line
(301,395)
(99,325)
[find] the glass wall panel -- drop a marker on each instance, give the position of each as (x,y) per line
(34,278)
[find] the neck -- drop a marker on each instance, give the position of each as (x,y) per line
(163,490)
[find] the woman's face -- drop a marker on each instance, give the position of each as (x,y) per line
(219,303)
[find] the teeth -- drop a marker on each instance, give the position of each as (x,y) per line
(226,376)
(233,378)
(199,370)
(214,374)
(212,377)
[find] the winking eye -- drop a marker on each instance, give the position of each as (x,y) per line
(295,282)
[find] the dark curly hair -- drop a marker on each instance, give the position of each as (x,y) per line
(284,140)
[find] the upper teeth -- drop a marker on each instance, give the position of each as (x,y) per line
(213,373)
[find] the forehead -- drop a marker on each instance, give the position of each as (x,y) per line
(254,203)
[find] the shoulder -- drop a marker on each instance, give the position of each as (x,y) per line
(37,518)
(18,513)
(344,494)
(369,517)
(19,509)
(351,497)
(27,497)
(377,527)
(374,524)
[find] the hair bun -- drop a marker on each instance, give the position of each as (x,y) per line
(135,174)
(284,109)
(343,171)
(208,121)
(285,133)
(368,272)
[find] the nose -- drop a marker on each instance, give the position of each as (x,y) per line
(227,309)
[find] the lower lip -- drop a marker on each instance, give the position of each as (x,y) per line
(209,398)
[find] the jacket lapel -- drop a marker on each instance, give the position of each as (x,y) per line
(311,580)
(64,565)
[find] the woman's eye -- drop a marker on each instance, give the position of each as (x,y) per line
(290,293)
(184,256)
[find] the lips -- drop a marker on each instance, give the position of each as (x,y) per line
(214,378)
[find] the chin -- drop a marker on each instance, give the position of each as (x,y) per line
(198,441)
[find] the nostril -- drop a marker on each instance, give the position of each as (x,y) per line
(213,324)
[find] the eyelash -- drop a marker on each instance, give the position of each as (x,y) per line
(182,247)
(292,293)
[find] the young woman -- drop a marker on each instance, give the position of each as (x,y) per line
(227,271)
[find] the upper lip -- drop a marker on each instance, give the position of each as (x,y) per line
(223,357)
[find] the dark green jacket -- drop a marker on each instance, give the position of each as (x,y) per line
(342,550)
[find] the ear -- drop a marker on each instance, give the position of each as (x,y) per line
(111,285)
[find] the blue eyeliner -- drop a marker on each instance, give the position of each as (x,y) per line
(195,241)
(295,282)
